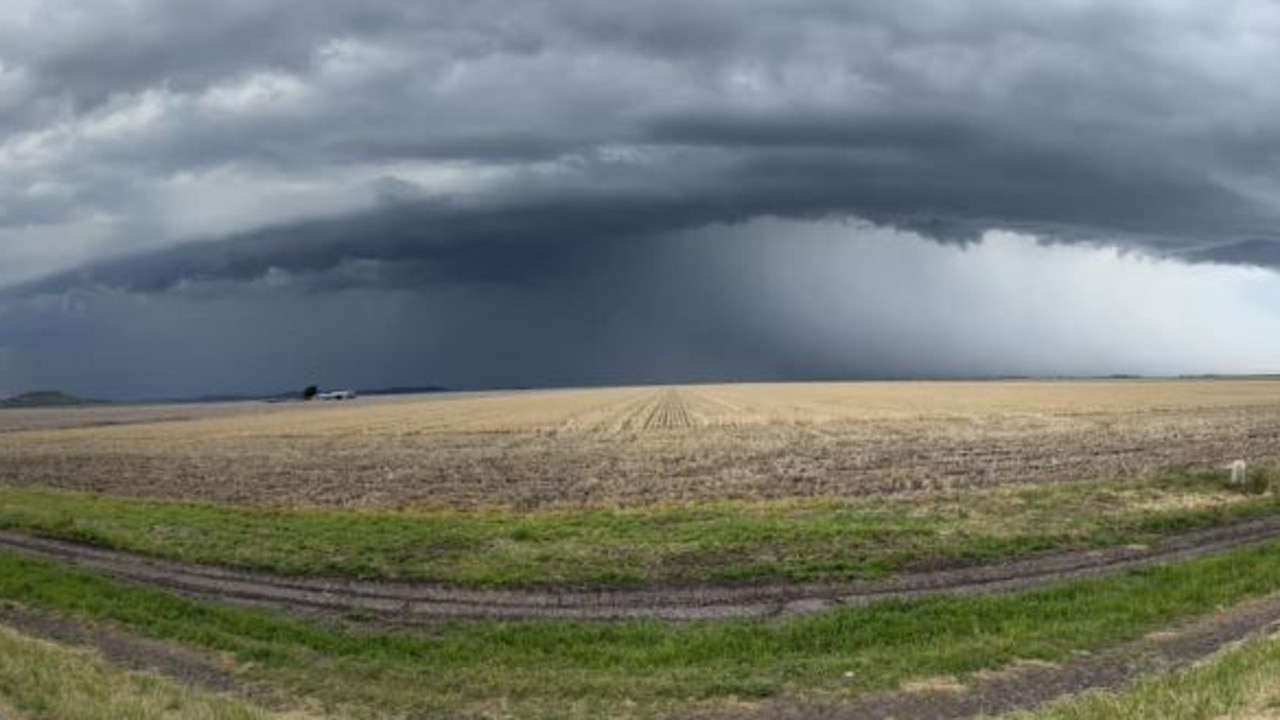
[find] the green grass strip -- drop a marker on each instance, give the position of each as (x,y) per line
(1239,682)
(560,669)
(45,681)
(721,543)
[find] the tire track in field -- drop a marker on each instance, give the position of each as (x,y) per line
(669,412)
(608,418)
(709,408)
(663,409)
(400,603)
(1030,686)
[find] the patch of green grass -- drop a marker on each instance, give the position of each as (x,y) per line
(1237,682)
(726,542)
(45,681)
(561,669)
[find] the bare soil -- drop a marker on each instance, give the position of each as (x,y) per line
(191,667)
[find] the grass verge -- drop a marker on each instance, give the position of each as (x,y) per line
(40,680)
(564,669)
(720,543)
(1239,682)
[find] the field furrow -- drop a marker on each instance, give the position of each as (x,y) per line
(641,445)
(668,412)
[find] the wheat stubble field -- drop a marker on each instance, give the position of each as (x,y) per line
(626,447)
(802,550)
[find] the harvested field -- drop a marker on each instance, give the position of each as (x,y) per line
(641,446)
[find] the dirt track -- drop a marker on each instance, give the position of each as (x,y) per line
(1021,687)
(405,603)
(1031,685)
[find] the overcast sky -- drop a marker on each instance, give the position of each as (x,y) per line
(242,196)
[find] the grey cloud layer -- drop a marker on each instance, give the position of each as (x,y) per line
(243,154)
(1133,121)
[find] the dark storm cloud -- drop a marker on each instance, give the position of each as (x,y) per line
(430,242)
(405,244)
(388,151)
(765,300)
(1137,122)
(1255,251)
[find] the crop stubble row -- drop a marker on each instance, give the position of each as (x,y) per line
(631,446)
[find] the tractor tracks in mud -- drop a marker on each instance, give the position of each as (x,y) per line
(409,603)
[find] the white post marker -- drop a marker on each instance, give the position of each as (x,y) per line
(1239,471)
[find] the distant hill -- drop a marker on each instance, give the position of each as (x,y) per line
(45,398)
(57,398)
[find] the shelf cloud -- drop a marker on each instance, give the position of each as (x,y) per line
(592,183)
